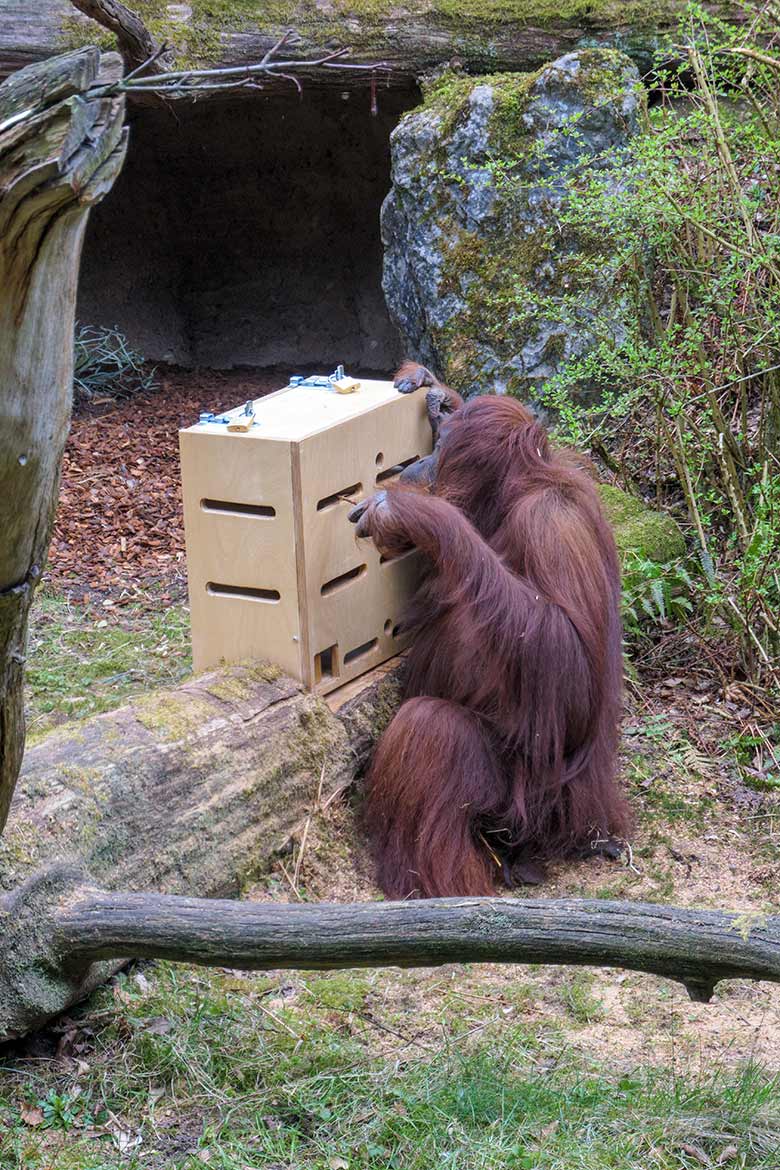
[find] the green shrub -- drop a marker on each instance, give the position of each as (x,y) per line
(655,594)
(686,410)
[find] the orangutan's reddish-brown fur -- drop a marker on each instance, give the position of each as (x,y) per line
(504,748)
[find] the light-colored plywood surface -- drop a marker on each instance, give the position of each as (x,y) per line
(280,575)
(239,551)
(356,686)
(356,457)
(296,412)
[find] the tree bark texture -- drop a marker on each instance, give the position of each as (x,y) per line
(57,934)
(188,790)
(60,151)
(134,41)
(412,37)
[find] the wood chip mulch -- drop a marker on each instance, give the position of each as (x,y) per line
(119,533)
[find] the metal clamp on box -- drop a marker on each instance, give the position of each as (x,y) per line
(339,381)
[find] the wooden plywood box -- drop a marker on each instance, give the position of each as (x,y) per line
(274,568)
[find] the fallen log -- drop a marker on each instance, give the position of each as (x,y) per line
(189,790)
(411,37)
(57,933)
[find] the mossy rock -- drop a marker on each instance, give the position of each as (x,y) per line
(487,281)
(640,530)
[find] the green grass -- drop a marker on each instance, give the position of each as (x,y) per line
(83,659)
(579,1000)
(177,1070)
(661,764)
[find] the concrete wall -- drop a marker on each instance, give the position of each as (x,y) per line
(247,233)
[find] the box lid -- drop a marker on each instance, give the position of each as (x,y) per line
(296,412)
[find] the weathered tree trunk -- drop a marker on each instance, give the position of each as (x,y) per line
(411,37)
(134,41)
(188,790)
(60,151)
(57,933)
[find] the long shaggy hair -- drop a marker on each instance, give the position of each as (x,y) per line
(504,750)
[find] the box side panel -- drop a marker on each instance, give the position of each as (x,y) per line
(353,601)
(306,659)
(239,527)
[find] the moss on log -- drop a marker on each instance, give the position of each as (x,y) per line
(411,37)
(188,790)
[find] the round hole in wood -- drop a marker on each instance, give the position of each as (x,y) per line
(380,458)
(389,626)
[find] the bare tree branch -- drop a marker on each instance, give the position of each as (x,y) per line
(136,44)
(58,923)
(181,83)
(146,61)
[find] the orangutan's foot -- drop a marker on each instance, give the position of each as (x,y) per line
(612,848)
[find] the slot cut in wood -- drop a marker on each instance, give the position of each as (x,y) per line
(226,508)
(359,651)
(326,663)
(343,579)
(243,592)
(342,496)
(396,469)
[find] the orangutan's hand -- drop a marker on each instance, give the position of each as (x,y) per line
(364,514)
(411,377)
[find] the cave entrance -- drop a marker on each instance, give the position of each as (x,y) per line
(245,232)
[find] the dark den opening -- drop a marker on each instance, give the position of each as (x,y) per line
(246,233)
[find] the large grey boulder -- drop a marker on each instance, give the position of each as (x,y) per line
(486,280)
